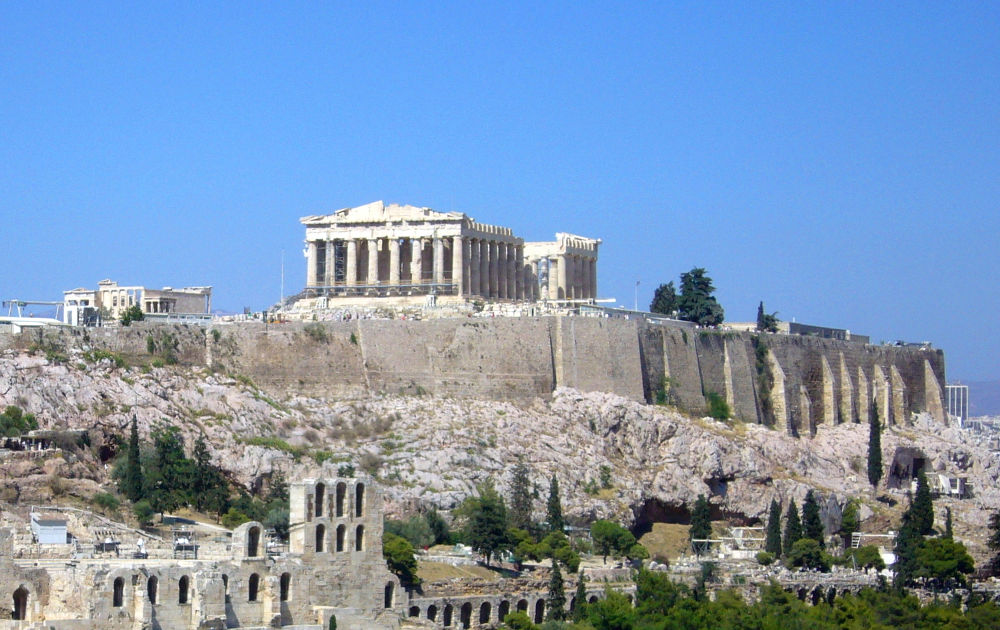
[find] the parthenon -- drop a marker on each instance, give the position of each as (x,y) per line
(403,253)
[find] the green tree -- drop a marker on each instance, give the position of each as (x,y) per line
(170,479)
(922,508)
(210,491)
(414,529)
(132,484)
(908,542)
(772,542)
(438,526)
(580,607)
(656,594)
(143,511)
(398,554)
(553,512)
(766,322)
(131,314)
(696,302)
(520,497)
(874,446)
(14,422)
(807,554)
(487,527)
(555,603)
(664,300)
(948,533)
(943,560)
(867,557)
(793,527)
(519,620)
(812,525)
(613,612)
(850,521)
(609,537)
(994,527)
(701,523)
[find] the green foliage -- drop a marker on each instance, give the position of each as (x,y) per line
(106,501)
(333,623)
(605,472)
(345,470)
(520,496)
(398,553)
(948,532)
(664,300)
(772,542)
(701,522)
(414,529)
(793,527)
(131,314)
(486,530)
(922,509)
(316,332)
(168,482)
(806,553)
(274,442)
(943,560)
(354,339)
(555,602)
(611,537)
(580,609)
(439,528)
(553,507)
(765,380)
(14,422)
(718,408)
(234,518)
(850,521)
(612,612)
(150,344)
(874,446)
(519,620)
(866,557)
(696,302)
(766,322)
(908,542)
(765,558)
(95,356)
(209,489)
(143,512)
(812,525)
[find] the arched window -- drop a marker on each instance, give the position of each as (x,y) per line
(320,538)
(284,585)
(20,604)
(503,609)
(414,611)
(465,615)
(253,542)
(320,495)
(359,500)
(341,534)
(118,593)
(446,617)
(484,613)
(540,611)
(389,592)
(151,585)
(432,612)
(253,585)
(359,538)
(522,605)
(182,590)
(341,493)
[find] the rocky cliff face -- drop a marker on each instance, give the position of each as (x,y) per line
(434,450)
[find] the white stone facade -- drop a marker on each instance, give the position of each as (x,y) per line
(405,253)
(112,300)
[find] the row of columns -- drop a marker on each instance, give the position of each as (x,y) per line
(568,277)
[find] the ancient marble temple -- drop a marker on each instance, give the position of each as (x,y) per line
(401,253)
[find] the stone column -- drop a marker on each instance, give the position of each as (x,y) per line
(311,265)
(554,264)
(493,270)
(519,272)
(331,250)
(372,262)
(502,270)
(473,266)
(484,268)
(577,277)
(458,264)
(438,260)
(585,278)
(352,261)
(512,272)
(562,286)
(416,260)
(394,262)
(467,266)
(593,278)
(531,281)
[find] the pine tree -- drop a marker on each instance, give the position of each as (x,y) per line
(922,509)
(812,525)
(132,484)
(555,603)
(581,599)
(773,542)
(554,507)
(793,527)
(948,533)
(520,497)
(874,446)
(701,522)
(907,544)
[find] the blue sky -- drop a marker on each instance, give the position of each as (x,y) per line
(839,161)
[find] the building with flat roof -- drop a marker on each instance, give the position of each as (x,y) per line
(87,307)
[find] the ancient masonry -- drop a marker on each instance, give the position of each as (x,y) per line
(379,253)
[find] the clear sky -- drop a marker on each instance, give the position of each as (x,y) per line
(840,161)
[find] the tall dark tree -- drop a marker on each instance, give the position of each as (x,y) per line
(696,302)
(132,483)
(812,525)
(908,542)
(664,300)
(520,497)
(793,527)
(208,488)
(171,476)
(555,603)
(701,522)
(487,528)
(874,445)
(766,322)
(580,606)
(553,510)
(772,543)
(948,533)
(850,521)
(922,509)
(994,527)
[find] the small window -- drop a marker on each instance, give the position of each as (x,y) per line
(118,593)
(182,590)
(359,538)
(320,538)
(253,585)
(285,585)
(151,586)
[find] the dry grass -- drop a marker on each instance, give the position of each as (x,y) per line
(666,540)
(434,571)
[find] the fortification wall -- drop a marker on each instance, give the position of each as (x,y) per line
(792,382)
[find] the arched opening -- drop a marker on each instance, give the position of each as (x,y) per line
(432,612)
(446,616)
(118,593)
(341,533)
(341,494)
(359,500)
(831,595)
(225,586)
(253,586)
(284,586)
(593,598)
(320,538)
(414,611)
(20,604)
(320,494)
(253,542)
(182,589)
(522,605)
(817,594)
(484,612)
(465,615)
(151,587)
(390,591)
(540,611)
(503,609)
(802,594)
(359,538)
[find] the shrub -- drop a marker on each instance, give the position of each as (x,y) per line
(354,339)
(234,518)
(106,501)
(316,332)
(143,512)
(765,557)
(718,408)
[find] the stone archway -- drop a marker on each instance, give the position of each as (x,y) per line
(484,612)
(20,612)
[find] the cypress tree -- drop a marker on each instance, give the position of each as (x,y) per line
(922,508)
(793,527)
(907,544)
(132,484)
(580,604)
(874,446)
(812,525)
(520,497)
(554,507)
(701,521)
(555,603)
(947,524)
(773,542)
(849,522)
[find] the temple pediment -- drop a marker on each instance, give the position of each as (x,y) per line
(381,212)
